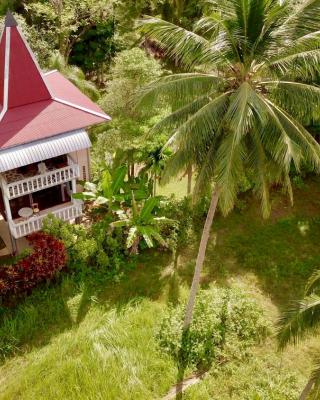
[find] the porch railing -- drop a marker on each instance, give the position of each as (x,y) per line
(41,181)
(34,223)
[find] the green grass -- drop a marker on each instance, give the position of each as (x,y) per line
(96,340)
(178,188)
(108,356)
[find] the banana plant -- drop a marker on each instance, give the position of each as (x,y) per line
(109,191)
(113,189)
(141,223)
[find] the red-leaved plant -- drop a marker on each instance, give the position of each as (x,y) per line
(47,258)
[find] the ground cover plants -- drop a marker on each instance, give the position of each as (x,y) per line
(56,322)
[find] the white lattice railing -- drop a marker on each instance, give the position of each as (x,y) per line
(41,181)
(34,223)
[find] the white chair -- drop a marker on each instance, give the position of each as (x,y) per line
(42,168)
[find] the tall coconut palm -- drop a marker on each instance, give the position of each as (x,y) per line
(243,100)
(301,319)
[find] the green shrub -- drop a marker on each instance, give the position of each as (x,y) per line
(225,324)
(90,249)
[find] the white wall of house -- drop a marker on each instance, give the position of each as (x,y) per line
(82,158)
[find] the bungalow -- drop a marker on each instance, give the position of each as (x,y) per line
(44,147)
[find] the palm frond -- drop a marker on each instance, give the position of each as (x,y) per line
(184,46)
(177,90)
(180,116)
(280,137)
(304,17)
(260,165)
(216,26)
(176,164)
(313,282)
(206,171)
(231,154)
(297,59)
(315,377)
(202,125)
(297,98)
(308,148)
(302,318)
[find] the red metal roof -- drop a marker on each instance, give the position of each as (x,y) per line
(34,105)
(2,56)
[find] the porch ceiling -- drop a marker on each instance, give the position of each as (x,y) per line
(40,150)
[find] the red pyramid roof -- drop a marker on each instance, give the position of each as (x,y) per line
(34,105)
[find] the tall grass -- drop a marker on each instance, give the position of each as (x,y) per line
(110,355)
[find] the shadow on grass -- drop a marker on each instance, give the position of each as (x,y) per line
(280,252)
(35,320)
(55,308)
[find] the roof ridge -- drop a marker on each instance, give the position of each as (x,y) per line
(85,109)
(10,20)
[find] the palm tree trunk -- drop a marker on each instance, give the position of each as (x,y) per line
(200,259)
(189,179)
(306,391)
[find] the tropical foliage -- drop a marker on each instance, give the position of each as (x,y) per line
(245,96)
(240,105)
(224,91)
(115,189)
(142,223)
(47,258)
(299,321)
(226,324)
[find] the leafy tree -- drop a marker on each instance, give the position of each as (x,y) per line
(243,101)
(185,11)
(301,319)
(96,49)
(64,22)
(142,223)
(125,136)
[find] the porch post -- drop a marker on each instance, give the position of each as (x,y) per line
(8,214)
(6,200)
(74,187)
(74,190)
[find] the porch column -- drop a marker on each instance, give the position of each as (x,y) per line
(8,213)
(6,200)
(74,186)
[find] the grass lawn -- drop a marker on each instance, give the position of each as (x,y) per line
(95,340)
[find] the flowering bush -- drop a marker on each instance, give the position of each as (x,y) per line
(48,256)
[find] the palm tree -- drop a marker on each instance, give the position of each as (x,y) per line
(242,101)
(301,319)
